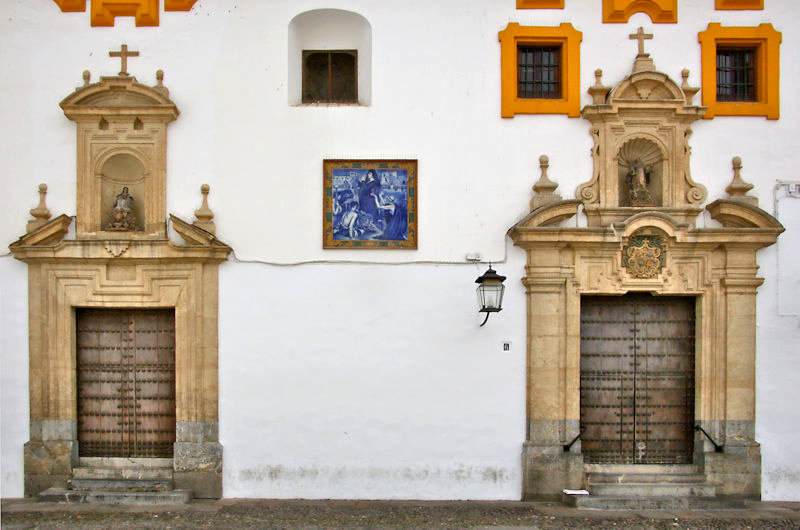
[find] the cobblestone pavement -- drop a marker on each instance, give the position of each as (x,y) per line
(253,513)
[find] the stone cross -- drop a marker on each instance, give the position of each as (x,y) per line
(641,36)
(124,54)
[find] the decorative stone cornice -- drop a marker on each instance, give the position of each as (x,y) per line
(120,95)
(47,244)
(44,235)
(738,214)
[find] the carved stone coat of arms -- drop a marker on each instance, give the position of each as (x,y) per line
(644,256)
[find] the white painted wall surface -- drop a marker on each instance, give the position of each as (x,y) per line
(370,381)
(318,397)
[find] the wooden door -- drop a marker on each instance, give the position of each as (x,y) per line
(637,379)
(126,382)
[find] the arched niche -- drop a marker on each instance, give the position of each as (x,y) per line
(640,173)
(122,171)
(330,29)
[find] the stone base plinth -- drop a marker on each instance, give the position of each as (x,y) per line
(548,469)
(736,471)
(48,464)
(198,468)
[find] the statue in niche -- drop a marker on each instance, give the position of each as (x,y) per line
(638,180)
(122,218)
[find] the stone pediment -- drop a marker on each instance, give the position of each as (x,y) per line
(653,86)
(736,213)
(117,95)
(549,215)
(47,243)
(48,234)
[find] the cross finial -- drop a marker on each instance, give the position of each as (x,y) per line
(124,54)
(641,36)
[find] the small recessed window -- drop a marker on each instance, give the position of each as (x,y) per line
(736,74)
(539,72)
(330,76)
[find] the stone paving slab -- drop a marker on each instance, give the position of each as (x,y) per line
(265,513)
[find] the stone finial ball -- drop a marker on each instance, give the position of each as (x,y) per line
(42,187)
(205,188)
(87,75)
(160,74)
(737,161)
(544,160)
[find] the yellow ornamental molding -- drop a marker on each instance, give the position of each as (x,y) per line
(739,4)
(68,6)
(765,42)
(178,5)
(104,12)
(659,11)
(568,41)
(540,4)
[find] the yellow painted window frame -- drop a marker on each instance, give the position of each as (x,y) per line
(659,11)
(739,4)
(565,36)
(540,4)
(766,40)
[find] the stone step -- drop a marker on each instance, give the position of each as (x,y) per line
(115,497)
(134,485)
(122,473)
(111,462)
(661,469)
(646,477)
(598,502)
(652,489)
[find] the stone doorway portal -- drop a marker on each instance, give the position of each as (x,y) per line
(126,382)
(637,379)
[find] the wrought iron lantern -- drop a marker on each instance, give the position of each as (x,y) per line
(490,292)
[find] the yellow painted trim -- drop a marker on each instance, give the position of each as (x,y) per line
(659,11)
(540,4)
(71,6)
(767,42)
(739,4)
(565,36)
(105,11)
(178,5)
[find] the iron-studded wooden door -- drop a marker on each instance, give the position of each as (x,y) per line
(637,379)
(126,382)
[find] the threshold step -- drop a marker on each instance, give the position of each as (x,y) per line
(121,473)
(135,485)
(654,489)
(114,497)
(636,477)
(598,502)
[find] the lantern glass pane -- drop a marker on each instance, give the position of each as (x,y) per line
(490,295)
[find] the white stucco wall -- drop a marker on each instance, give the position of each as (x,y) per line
(360,379)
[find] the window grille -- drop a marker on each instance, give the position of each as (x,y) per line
(736,74)
(539,72)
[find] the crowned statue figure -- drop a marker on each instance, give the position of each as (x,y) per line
(122,218)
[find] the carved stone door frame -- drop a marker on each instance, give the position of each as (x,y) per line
(716,265)
(120,274)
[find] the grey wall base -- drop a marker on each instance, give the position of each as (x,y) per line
(736,471)
(48,464)
(198,459)
(547,469)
